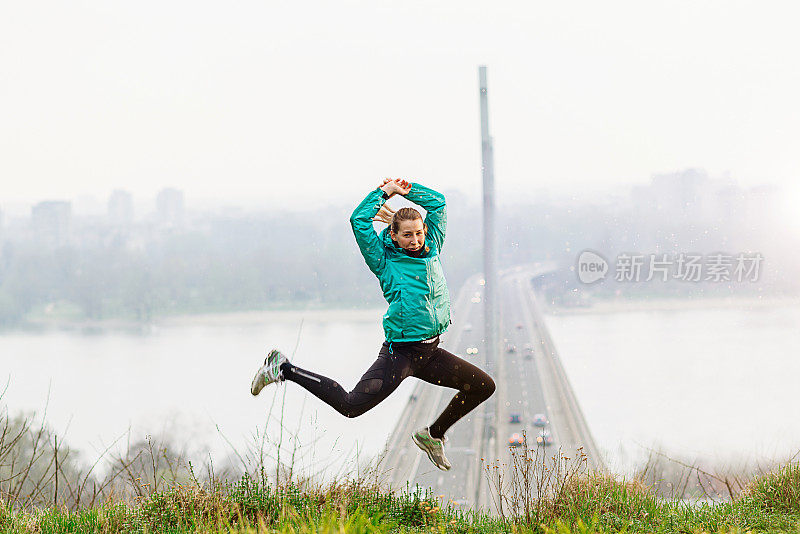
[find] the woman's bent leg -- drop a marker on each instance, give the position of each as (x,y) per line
(380,380)
(473,384)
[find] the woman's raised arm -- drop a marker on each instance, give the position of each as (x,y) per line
(432,202)
(368,241)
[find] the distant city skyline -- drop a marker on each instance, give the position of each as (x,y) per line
(688,194)
(95,204)
(175,255)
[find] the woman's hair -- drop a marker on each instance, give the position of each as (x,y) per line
(408,214)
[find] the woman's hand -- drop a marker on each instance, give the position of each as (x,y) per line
(384,215)
(387,187)
(398,186)
(403,187)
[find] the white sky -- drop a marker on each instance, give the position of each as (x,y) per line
(278,102)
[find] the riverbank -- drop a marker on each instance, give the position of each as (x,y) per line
(272,316)
(232,318)
(369,314)
(666,304)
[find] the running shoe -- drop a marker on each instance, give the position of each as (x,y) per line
(270,372)
(433,447)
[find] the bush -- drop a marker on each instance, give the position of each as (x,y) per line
(603,495)
(778,491)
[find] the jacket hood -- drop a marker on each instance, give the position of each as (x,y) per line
(386,238)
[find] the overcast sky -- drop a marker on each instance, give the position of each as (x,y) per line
(282,102)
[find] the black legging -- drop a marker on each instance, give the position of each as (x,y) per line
(426,361)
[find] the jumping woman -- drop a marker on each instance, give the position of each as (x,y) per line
(405,258)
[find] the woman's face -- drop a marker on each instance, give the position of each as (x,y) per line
(411,235)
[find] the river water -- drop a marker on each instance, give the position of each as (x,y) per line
(716,383)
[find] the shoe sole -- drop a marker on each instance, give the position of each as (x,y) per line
(257,384)
(254,389)
(260,375)
(426,451)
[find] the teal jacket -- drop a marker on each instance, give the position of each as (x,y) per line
(415,288)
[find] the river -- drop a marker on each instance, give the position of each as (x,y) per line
(715,383)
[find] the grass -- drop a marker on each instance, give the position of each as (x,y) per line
(563,500)
(594,503)
(154,488)
(249,505)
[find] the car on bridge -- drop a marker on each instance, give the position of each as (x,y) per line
(514,418)
(544,439)
(511,348)
(515,440)
(472,350)
(468,327)
(539,419)
(519,326)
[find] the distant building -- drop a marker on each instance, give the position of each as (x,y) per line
(763,210)
(687,196)
(120,208)
(731,204)
(169,207)
(680,194)
(51,222)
